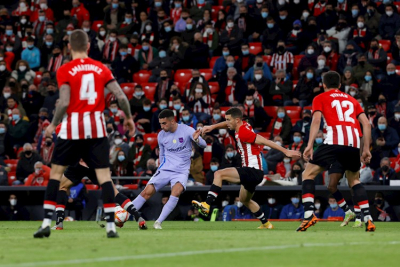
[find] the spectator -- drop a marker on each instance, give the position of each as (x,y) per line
(381,210)
(121,166)
(232,88)
(389,83)
(293,210)
(214,166)
(111,46)
(124,66)
(332,57)
(55,61)
(6,149)
(273,157)
(155,124)
(282,126)
(143,118)
(298,143)
(149,34)
(14,211)
(372,19)
(394,49)
(309,61)
(254,110)
(79,12)
(272,209)
(12,103)
(52,95)
(32,54)
(211,38)
(347,59)
(395,121)
(305,89)
(347,79)
(318,209)
(180,24)
(196,167)
(258,65)
(295,173)
(160,64)
(382,107)
(176,11)
(4,73)
(246,60)
(282,59)
(333,210)
(46,150)
(28,158)
(11,40)
(139,153)
(23,71)
(389,23)
(360,69)
(188,119)
(40,177)
(17,129)
(199,52)
(220,64)
(280,88)
(111,129)
(77,199)
(177,53)
(3,175)
(231,36)
(188,34)
(114,15)
(377,57)
(64,22)
(272,33)
(231,158)
(385,173)
(200,101)
(385,139)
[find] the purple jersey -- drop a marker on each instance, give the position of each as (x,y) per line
(176,149)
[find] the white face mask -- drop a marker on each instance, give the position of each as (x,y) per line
(102,33)
(222,132)
(112,39)
(317,206)
(23,21)
(22,68)
(271,201)
(86,29)
(239,204)
(321,62)
(389,13)
(198,90)
(118,141)
(353,93)
(2,67)
(37,171)
(278,143)
(296,1)
(360,24)
(13,202)
(230,24)
(258,77)
(310,51)
(199,128)
(43,6)
(225,203)
(148,28)
(281,2)
(6,95)
(249,102)
(397,116)
(306,14)
(327,49)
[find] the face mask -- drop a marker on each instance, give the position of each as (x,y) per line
(28,153)
(109,130)
(2,130)
(295,200)
(9,32)
(327,49)
(225,53)
(15,117)
(102,33)
(318,140)
(389,13)
(271,201)
(114,110)
(354,12)
(222,132)
(229,64)
(178,5)
(270,25)
(258,77)
(118,141)
(2,67)
(382,127)
(368,78)
(128,20)
(177,106)
(278,143)
(317,206)
(163,106)
(230,24)
(189,26)
(123,53)
(114,5)
(41,18)
(264,14)
(167,29)
(22,68)
(163,78)
(310,75)
(385,168)
(6,95)
(310,51)
(148,28)
(112,39)
(214,168)
(381,101)
(37,171)
(281,115)
(397,116)
(121,157)
(216,117)
(391,72)
(249,102)
(186,118)
(86,29)
(378,202)
(245,52)
(192,154)
(372,113)
(229,154)
(353,93)
(239,204)
(305,15)
(297,139)
(146,109)
(69,33)
(282,17)
(138,94)
(225,202)
(360,24)
(145,48)
(321,62)
(333,206)
(13,202)
(286,160)
(23,21)
(9,49)
(157,4)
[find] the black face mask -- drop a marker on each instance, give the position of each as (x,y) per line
(56,54)
(372,113)
(163,78)
(381,101)
(109,130)
(11,84)
(24,86)
(184,18)
(174,93)
(307,119)
(48,143)
(51,93)
(28,33)
(195,79)
(296,172)
(139,144)
(28,153)
(259,64)
(362,63)
(374,47)
(67,16)
(134,44)
(385,168)
(296,28)
(281,49)
(43,118)
(378,202)
(242,15)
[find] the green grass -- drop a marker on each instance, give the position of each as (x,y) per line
(325,244)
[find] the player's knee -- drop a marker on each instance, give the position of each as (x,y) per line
(146,195)
(218,175)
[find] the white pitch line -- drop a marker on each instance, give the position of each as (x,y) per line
(190,253)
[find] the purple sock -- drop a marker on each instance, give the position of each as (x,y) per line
(168,208)
(138,202)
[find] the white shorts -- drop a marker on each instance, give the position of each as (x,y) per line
(162,178)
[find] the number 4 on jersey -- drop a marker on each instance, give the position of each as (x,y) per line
(87,91)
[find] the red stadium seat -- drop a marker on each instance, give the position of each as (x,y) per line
(296,63)
(385,44)
(398,70)
(214,11)
(393,161)
(97,24)
(308,108)
(214,87)
(397,4)
(389,58)
(128,88)
(294,120)
(207,73)
(266,135)
(271,111)
(293,111)
(151,139)
(11,161)
(149,90)
(223,110)
(255,48)
(141,76)
(92,186)
(212,62)
(38,78)
(12,176)
(183,77)
(267,59)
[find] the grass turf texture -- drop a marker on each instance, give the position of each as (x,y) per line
(201,244)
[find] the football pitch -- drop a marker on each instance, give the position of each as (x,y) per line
(201,244)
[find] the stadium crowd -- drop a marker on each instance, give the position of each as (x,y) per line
(198,58)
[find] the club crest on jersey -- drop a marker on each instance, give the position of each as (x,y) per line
(180,139)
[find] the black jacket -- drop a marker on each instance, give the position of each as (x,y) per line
(240,89)
(125,68)
(25,165)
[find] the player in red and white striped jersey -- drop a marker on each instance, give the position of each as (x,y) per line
(250,174)
(82,135)
(343,115)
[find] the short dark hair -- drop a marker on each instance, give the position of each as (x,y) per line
(78,40)
(235,113)
(146,101)
(331,79)
(166,113)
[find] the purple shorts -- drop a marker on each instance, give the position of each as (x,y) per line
(162,178)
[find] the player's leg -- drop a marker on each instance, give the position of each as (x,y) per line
(145,195)
(62,198)
(230,175)
(357,211)
(245,197)
(127,205)
(361,197)
(176,190)
(50,200)
(308,192)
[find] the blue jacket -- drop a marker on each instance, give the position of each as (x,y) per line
(32,56)
(290,212)
(331,213)
(249,76)
(219,65)
(192,121)
(233,212)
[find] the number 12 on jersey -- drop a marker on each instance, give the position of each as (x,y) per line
(87,91)
(344,104)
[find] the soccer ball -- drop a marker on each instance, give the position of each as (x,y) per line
(121,216)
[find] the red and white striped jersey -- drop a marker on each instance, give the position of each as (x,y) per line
(87,79)
(199,106)
(249,151)
(279,62)
(341,112)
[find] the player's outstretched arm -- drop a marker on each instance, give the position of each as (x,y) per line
(210,128)
(198,140)
(62,106)
(366,154)
(260,140)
